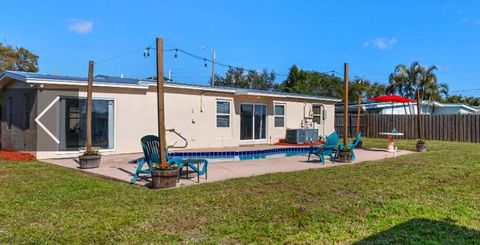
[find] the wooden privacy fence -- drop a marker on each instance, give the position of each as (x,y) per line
(464,128)
(352,124)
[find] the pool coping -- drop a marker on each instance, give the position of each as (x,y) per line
(237,152)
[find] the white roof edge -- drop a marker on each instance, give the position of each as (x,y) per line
(13,75)
(142,84)
(234,91)
(450,105)
(434,103)
(80,83)
(184,86)
(289,96)
(461,105)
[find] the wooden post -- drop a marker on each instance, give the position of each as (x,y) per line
(161,101)
(419,131)
(345,108)
(359,110)
(89,106)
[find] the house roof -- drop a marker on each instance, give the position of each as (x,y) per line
(120,82)
(375,105)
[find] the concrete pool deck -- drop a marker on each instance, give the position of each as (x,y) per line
(121,167)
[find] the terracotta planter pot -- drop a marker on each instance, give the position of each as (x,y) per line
(164,178)
(345,156)
(421,147)
(89,161)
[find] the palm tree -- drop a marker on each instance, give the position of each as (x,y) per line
(417,82)
(404,80)
(428,86)
(435,92)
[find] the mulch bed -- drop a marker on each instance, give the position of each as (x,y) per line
(15,155)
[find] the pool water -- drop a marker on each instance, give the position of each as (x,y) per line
(243,155)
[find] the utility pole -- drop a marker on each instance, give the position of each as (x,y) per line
(161,102)
(89,106)
(214,54)
(345,105)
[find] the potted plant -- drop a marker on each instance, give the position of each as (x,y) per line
(345,154)
(89,159)
(421,145)
(164,175)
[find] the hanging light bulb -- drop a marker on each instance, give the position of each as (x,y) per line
(146,52)
(176,55)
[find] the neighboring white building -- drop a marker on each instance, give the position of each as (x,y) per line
(431,108)
(45,114)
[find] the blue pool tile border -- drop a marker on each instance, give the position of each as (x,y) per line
(238,153)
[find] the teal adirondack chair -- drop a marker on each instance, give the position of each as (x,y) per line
(329,149)
(353,144)
(151,155)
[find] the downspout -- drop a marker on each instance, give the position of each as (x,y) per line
(304,116)
(324,117)
(201,101)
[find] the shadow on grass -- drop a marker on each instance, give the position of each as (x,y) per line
(424,231)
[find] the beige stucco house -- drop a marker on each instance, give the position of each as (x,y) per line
(45,114)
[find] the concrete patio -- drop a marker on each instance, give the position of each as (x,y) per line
(121,167)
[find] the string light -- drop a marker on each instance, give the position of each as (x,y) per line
(146,53)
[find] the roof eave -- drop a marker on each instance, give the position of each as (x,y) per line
(288,96)
(83,83)
(13,76)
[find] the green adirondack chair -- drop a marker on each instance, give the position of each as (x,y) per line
(329,149)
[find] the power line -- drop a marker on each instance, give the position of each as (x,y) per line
(207,60)
(121,55)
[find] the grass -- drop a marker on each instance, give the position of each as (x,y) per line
(430,197)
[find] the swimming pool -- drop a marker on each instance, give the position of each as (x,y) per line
(243,155)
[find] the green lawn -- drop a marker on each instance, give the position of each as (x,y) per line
(431,197)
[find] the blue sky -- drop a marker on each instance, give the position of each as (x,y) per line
(373,36)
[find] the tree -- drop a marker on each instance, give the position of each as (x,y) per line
(311,82)
(376,89)
(416,82)
(17,59)
(468,100)
(405,79)
(358,88)
(239,78)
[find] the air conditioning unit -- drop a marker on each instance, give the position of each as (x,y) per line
(300,136)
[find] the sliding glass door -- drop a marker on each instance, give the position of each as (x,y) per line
(253,121)
(73,124)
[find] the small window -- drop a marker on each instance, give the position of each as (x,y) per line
(27,110)
(9,112)
(279,119)
(317,114)
(223,114)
